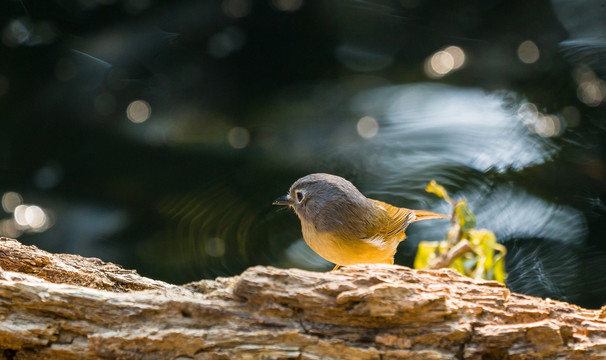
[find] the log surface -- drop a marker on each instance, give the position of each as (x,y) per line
(57,306)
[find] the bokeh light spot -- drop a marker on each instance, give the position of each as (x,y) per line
(138,111)
(591,92)
(591,89)
(444,61)
(528,52)
(367,127)
(238,137)
(547,125)
(35,217)
(236,8)
(226,42)
(30,218)
(528,112)
(544,125)
(215,247)
(19,215)
(583,73)
(10,200)
(458,55)
(48,176)
(9,229)
(15,33)
(287,5)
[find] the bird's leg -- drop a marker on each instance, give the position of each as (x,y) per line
(336,267)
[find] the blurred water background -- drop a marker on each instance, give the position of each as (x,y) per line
(155,134)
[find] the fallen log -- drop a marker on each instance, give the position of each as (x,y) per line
(58,306)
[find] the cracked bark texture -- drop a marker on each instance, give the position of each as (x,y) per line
(57,306)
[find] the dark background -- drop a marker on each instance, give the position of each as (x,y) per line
(247,96)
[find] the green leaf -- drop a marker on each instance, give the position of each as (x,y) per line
(466,218)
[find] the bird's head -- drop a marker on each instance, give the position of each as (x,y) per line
(327,201)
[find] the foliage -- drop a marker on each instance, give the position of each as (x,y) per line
(472,252)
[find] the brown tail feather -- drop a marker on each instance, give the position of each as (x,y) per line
(428,215)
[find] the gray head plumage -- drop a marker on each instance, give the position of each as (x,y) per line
(330,202)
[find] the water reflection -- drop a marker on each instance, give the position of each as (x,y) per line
(299,254)
(210,226)
(513,213)
(358,23)
(82,71)
(584,22)
(428,125)
(545,269)
(586,46)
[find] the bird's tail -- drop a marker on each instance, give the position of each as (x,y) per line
(427,215)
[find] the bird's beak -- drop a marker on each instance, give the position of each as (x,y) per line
(282,200)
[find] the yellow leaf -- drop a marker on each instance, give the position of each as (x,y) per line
(434,188)
(457,264)
(484,241)
(499,269)
(426,252)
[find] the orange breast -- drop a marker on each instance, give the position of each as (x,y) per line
(347,251)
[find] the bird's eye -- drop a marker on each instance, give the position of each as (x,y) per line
(299,196)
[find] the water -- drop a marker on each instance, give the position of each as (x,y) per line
(157,135)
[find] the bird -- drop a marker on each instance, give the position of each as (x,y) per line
(345,227)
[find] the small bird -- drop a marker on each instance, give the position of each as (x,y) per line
(344,226)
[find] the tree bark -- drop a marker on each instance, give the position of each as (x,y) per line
(57,306)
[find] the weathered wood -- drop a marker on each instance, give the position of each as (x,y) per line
(56,306)
(71,269)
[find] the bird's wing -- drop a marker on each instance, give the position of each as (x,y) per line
(398,218)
